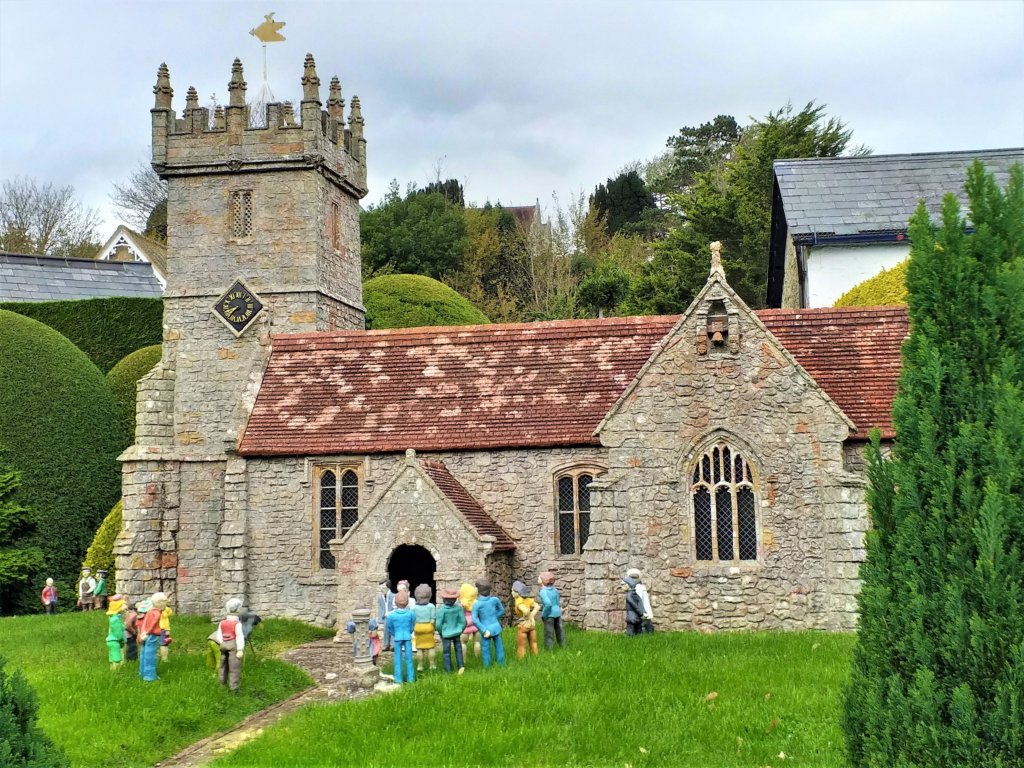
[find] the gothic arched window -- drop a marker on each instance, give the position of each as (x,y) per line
(724,507)
(572,510)
(337,509)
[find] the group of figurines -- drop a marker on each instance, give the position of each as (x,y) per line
(466,617)
(139,631)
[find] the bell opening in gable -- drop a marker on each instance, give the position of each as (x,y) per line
(717,323)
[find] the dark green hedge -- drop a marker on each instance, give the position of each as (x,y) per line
(105,329)
(410,301)
(123,378)
(60,429)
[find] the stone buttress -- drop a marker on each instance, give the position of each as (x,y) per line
(263,237)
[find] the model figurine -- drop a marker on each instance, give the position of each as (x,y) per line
(551,610)
(400,627)
(526,618)
(49,597)
(231,640)
(470,635)
(385,605)
(634,607)
(451,621)
(403,586)
(487,612)
(423,632)
(131,633)
(99,595)
(647,618)
(165,632)
(86,586)
(149,635)
(115,631)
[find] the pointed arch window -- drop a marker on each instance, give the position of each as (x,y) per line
(337,509)
(724,507)
(572,509)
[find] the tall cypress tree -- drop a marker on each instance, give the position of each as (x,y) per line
(938,672)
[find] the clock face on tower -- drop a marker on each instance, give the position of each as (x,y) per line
(238,307)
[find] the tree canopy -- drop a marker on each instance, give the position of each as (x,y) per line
(44,219)
(411,301)
(622,200)
(938,672)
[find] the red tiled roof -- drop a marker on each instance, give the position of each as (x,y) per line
(467,505)
(852,353)
(525,385)
(449,388)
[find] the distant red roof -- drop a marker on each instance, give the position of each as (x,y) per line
(525,384)
(467,504)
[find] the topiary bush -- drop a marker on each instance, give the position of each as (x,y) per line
(22,742)
(410,301)
(888,287)
(100,555)
(105,329)
(123,379)
(61,431)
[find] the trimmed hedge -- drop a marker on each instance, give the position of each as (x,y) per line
(888,287)
(123,379)
(60,429)
(411,301)
(100,555)
(105,329)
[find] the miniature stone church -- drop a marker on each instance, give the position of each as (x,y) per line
(288,456)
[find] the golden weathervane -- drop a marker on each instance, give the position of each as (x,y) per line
(269,30)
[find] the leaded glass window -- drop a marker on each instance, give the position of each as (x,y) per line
(724,507)
(572,501)
(337,509)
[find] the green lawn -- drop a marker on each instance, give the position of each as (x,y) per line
(606,700)
(105,719)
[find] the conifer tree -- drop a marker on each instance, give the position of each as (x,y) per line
(938,672)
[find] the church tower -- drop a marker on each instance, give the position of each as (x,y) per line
(263,238)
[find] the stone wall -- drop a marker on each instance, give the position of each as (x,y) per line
(750,394)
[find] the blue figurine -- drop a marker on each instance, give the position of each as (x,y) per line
(399,625)
(487,613)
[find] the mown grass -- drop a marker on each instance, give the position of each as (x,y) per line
(605,700)
(106,719)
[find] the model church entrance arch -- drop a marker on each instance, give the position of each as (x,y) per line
(415,564)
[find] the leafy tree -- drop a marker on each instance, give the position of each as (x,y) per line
(141,200)
(42,218)
(20,559)
(604,288)
(22,742)
(691,152)
(731,203)
(938,671)
(494,274)
(422,234)
(622,200)
(450,189)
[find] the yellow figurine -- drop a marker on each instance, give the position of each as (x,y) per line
(467,596)
(526,618)
(165,632)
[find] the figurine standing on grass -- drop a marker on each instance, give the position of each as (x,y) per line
(131,633)
(487,613)
(115,631)
(634,607)
(49,597)
(526,618)
(149,635)
(385,605)
(231,640)
(99,595)
(400,624)
(470,635)
(86,586)
(165,632)
(647,618)
(551,610)
(451,621)
(423,631)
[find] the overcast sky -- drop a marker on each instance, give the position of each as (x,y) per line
(516,99)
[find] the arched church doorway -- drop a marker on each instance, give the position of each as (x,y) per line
(415,564)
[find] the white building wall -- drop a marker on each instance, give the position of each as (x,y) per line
(832,270)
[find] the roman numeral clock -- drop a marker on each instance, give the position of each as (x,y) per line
(238,307)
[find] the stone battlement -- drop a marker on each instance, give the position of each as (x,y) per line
(314,138)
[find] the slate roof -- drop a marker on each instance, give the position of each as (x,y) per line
(151,250)
(467,505)
(48,278)
(876,193)
(525,385)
